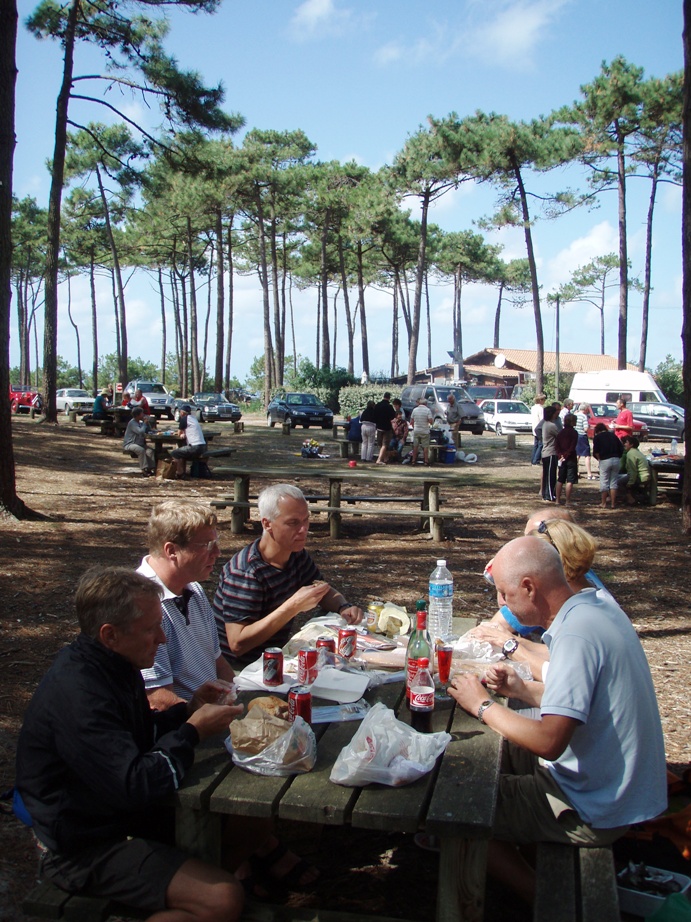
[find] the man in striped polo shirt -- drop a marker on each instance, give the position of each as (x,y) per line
(266,585)
(183,548)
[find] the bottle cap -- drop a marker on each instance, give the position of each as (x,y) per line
(441,563)
(421,605)
(424,662)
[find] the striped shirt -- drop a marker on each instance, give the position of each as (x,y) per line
(188,657)
(249,589)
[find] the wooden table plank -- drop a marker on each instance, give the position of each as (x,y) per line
(313,797)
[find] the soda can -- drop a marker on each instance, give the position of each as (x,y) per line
(300,703)
(272,665)
(307,666)
(326,643)
(347,642)
(374,609)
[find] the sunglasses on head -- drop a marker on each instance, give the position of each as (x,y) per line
(543,529)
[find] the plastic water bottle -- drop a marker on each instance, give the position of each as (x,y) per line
(674,447)
(440,612)
(422,698)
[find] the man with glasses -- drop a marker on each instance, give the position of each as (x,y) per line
(266,585)
(183,549)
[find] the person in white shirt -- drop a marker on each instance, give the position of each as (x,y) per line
(536,418)
(191,431)
(421,419)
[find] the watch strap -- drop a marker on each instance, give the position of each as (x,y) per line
(483,707)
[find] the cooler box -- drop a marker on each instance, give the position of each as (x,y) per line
(645,904)
(450,455)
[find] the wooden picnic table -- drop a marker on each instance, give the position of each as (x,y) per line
(161,441)
(455,801)
(429,498)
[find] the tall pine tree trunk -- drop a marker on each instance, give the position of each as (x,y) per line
(50,324)
(623,258)
(220,304)
(539,338)
(647,278)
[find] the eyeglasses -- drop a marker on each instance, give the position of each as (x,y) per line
(542,529)
(208,545)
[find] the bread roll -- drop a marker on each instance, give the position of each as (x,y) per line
(271,704)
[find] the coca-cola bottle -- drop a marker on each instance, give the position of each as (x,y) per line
(422,698)
(418,647)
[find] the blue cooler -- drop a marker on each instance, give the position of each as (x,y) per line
(450,455)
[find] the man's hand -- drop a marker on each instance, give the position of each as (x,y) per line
(502,679)
(213,692)
(210,719)
(494,632)
(468,691)
(352,614)
(308,597)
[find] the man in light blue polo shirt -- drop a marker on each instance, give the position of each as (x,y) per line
(594,763)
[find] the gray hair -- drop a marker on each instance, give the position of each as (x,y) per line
(109,595)
(270,497)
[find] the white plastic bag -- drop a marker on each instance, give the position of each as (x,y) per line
(387,751)
(294,753)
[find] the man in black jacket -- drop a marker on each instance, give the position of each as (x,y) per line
(94,761)
(385,414)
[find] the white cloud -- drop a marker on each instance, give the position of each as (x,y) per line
(319,18)
(512,36)
(600,240)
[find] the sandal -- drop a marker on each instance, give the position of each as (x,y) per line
(293,878)
(252,885)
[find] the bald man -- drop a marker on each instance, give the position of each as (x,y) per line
(598,701)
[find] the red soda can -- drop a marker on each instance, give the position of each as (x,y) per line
(327,643)
(300,703)
(272,665)
(307,666)
(347,641)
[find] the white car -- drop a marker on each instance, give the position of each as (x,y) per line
(503,416)
(72,398)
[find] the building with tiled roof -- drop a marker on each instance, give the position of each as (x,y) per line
(515,366)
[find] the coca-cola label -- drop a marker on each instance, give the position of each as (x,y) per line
(422,698)
(413,666)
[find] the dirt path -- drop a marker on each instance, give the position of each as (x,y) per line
(96,507)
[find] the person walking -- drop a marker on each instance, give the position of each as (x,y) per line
(384,417)
(536,420)
(607,448)
(368,428)
(549,455)
(583,445)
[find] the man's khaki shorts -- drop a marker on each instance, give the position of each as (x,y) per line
(421,439)
(532,808)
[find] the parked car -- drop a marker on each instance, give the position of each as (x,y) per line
(480,392)
(299,410)
(664,420)
(159,400)
(606,413)
(215,406)
(437,397)
(506,416)
(73,398)
(21,397)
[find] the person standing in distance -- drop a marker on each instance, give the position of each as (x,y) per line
(191,431)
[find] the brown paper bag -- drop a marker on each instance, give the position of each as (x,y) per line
(165,470)
(255,732)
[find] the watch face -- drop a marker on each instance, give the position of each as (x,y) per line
(510,647)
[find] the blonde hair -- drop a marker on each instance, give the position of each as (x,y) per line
(574,544)
(177,522)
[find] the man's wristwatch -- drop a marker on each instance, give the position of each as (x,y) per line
(509,648)
(345,605)
(483,707)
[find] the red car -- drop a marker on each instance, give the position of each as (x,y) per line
(22,397)
(606,413)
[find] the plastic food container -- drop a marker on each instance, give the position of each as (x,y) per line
(645,904)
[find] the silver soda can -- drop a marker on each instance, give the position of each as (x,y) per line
(272,663)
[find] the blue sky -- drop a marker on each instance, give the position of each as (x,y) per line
(358,78)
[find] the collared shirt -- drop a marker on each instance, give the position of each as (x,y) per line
(249,588)
(613,770)
(188,657)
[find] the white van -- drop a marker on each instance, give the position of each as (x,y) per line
(609,386)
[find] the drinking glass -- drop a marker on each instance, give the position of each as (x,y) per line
(444,657)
